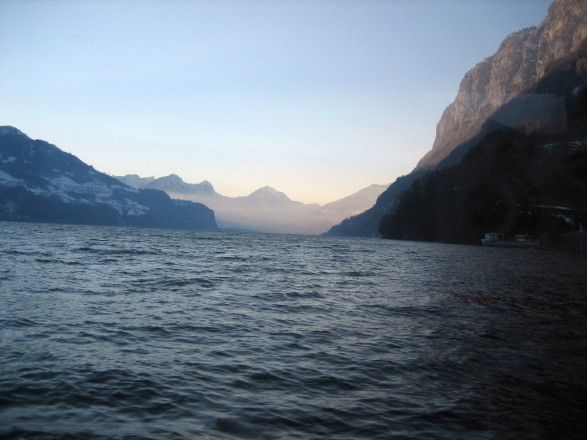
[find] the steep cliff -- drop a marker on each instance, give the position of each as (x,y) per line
(515,178)
(523,59)
(520,61)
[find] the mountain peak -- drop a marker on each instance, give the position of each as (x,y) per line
(172,178)
(267,193)
(40,182)
(175,185)
(7,129)
(207,186)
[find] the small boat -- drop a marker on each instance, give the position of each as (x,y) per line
(520,241)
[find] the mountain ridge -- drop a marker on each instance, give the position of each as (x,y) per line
(526,173)
(266,209)
(516,179)
(523,58)
(40,182)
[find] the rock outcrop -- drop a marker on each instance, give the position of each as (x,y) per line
(516,178)
(521,60)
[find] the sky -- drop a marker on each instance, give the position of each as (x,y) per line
(315,98)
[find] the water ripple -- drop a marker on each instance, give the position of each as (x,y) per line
(113,333)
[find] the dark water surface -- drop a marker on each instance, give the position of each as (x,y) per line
(135,333)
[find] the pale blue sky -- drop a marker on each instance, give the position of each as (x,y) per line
(316,98)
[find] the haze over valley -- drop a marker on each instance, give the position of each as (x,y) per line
(264,210)
(288,296)
(533,87)
(315,99)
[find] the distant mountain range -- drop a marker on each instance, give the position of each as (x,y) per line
(264,210)
(509,156)
(533,84)
(170,184)
(39,182)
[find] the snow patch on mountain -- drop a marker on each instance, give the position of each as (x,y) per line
(7,179)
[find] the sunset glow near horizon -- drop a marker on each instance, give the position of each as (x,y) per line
(316,99)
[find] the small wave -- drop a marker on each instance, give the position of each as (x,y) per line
(132,252)
(18,252)
(114,251)
(408,311)
(168,283)
(232,258)
(358,274)
(23,434)
(58,261)
(289,295)
(238,428)
(188,282)
(150,329)
(331,384)
(19,322)
(47,260)
(268,380)
(200,328)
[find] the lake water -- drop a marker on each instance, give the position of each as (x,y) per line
(154,334)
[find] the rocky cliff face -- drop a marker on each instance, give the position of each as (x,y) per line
(511,179)
(521,60)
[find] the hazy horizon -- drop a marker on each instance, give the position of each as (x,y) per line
(315,99)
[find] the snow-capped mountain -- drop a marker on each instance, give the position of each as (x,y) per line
(135,181)
(267,194)
(39,182)
(264,210)
(172,184)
